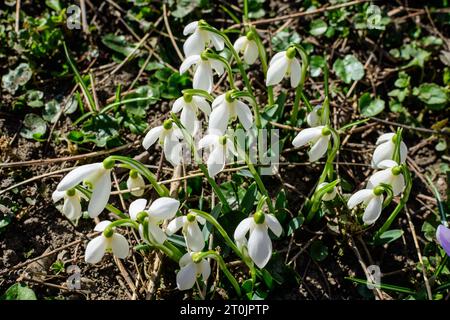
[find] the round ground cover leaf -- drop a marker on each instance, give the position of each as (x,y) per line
(434,96)
(19,291)
(349,69)
(318,250)
(369,107)
(316,64)
(318,27)
(34,127)
(52,110)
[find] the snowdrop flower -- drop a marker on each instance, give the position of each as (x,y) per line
(259,244)
(72,206)
(169,136)
(191,230)
(248,46)
(318,137)
(329,195)
(220,146)
(203,74)
(314,118)
(392,175)
(200,39)
(109,240)
(443,237)
(135,180)
(189,106)
(225,107)
(161,209)
(98,177)
(190,270)
(372,199)
(385,149)
(284,64)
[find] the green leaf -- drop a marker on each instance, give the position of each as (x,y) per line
(349,68)
(284,38)
(33,98)
(54,4)
(19,291)
(317,27)
(294,224)
(316,64)
(434,96)
(369,107)
(51,111)
(389,236)
(34,127)
(318,250)
(248,201)
(118,44)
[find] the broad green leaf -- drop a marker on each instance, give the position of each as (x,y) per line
(349,69)
(389,236)
(317,27)
(34,127)
(316,64)
(294,224)
(51,111)
(434,96)
(369,107)
(118,44)
(284,38)
(19,291)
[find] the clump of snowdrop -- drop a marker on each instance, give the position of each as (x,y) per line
(221,146)
(259,244)
(136,182)
(191,230)
(318,137)
(190,271)
(72,206)
(284,64)
(385,149)
(200,39)
(247,45)
(391,175)
(189,105)
(203,74)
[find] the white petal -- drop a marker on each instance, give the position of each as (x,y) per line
(188,119)
(296,72)
(58,195)
(313,118)
(251,53)
(244,114)
(243,227)
(219,118)
(277,57)
(387,164)
(119,246)
(384,138)
(188,62)
(240,43)
(307,135)
(260,246)
(216,161)
(382,152)
(152,136)
(218,66)
(190,28)
(186,277)
(203,77)
(202,104)
(273,224)
(205,269)
(95,250)
(164,208)
(360,196)
(194,237)
(218,101)
(175,225)
(403,152)
(77,175)
(208,140)
(276,72)
(185,259)
(373,210)
(138,182)
(137,206)
(101,226)
(72,208)
(178,105)
(100,195)
(193,45)
(319,149)
(383,176)
(156,233)
(216,41)
(398,184)
(172,149)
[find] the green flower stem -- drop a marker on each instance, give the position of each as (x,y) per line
(109,207)
(441,266)
(112,105)
(245,17)
(216,256)
(299,90)
(396,156)
(170,250)
(306,101)
(264,64)
(317,197)
(128,222)
(328,170)
(214,56)
(199,92)
(144,171)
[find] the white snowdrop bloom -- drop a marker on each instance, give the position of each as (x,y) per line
(259,244)
(225,107)
(189,106)
(189,271)
(284,64)
(200,39)
(372,199)
(160,210)
(98,177)
(329,195)
(190,228)
(203,74)
(314,118)
(318,137)
(134,181)
(385,149)
(169,136)
(72,206)
(391,175)
(108,241)
(220,146)
(247,45)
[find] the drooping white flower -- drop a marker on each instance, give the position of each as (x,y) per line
(203,74)
(191,230)
(329,195)
(391,174)
(160,210)
(200,39)
(248,46)
(98,177)
(314,118)
(189,271)
(259,244)
(220,146)
(318,137)
(111,241)
(372,199)
(169,136)
(135,181)
(284,64)
(385,149)
(224,107)
(72,206)
(189,106)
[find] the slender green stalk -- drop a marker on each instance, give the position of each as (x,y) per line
(245,17)
(441,266)
(299,90)
(264,64)
(112,105)
(111,208)
(199,92)
(328,170)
